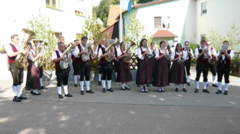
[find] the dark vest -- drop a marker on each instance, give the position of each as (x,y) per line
(226,61)
(201,59)
(12,59)
(57,66)
(103,60)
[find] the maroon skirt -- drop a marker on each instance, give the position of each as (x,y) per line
(143,73)
(124,74)
(33,77)
(177,73)
(152,64)
(160,76)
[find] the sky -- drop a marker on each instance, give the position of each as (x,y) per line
(96,2)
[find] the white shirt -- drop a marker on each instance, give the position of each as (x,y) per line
(139,52)
(30,56)
(76,50)
(96,50)
(9,49)
(119,52)
(197,53)
(54,55)
(157,54)
(178,53)
(212,50)
(223,57)
(186,53)
(100,51)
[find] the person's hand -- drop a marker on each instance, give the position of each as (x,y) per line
(23,52)
(62,58)
(39,55)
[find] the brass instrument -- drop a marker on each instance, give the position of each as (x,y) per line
(65,64)
(21,59)
(149,55)
(111,51)
(39,50)
(224,48)
(128,58)
(85,57)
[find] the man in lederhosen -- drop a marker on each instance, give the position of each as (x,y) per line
(106,67)
(76,74)
(62,74)
(84,67)
(189,55)
(224,57)
(203,57)
(13,50)
(212,63)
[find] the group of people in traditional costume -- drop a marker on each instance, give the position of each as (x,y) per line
(157,66)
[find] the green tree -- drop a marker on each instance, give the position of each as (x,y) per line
(232,37)
(40,24)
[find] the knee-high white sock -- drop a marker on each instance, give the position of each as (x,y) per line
(188,78)
(226,86)
(220,86)
(41,82)
(59,89)
(214,79)
(87,85)
(116,75)
(65,87)
(123,85)
(99,77)
(184,85)
(81,85)
(109,83)
(19,90)
(75,77)
(104,83)
(78,77)
(204,85)
(14,90)
(197,84)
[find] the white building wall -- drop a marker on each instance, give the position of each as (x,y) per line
(179,12)
(221,15)
(14,15)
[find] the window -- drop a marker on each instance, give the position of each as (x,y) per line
(79,13)
(53,4)
(161,22)
(204,8)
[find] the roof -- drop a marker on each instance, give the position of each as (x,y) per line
(114,12)
(163,34)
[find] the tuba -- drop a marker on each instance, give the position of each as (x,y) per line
(65,64)
(39,50)
(109,49)
(85,57)
(21,59)
(128,58)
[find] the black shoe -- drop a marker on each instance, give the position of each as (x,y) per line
(82,92)
(146,91)
(214,85)
(225,93)
(218,92)
(196,90)
(188,84)
(206,91)
(16,99)
(33,93)
(99,83)
(142,91)
(122,88)
(22,98)
(184,90)
(60,96)
(68,95)
(42,87)
(110,90)
(104,90)
(176,89)
(128,88)
(75,85)
(90,91)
